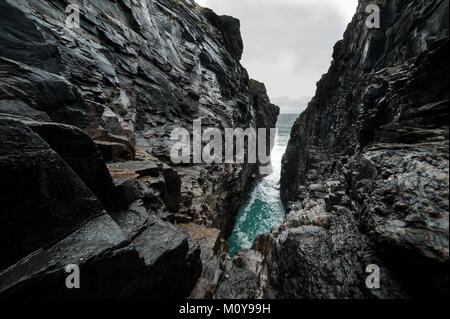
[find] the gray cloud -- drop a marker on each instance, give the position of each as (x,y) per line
(291,105)
(288,43)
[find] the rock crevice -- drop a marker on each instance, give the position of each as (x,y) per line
(85,118)
(365,175)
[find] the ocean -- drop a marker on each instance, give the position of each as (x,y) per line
(264,209)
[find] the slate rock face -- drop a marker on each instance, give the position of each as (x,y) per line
(132,73)
(81,154)
(244,277)
(365,174)
(172,263)
(230,28)
(159,263)
(86,116)
(20,110)
(42,198)
(242,284)
(213,254)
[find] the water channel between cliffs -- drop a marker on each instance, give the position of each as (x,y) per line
(264,209)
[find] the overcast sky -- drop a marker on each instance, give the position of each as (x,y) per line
(288,43)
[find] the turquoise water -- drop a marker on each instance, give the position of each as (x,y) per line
(264,209)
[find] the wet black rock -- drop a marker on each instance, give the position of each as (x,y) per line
(173,265)
(42,198)
(79,151)
(131,74)
(241,284)
(159,263)
(112,91)
(230,28)
(244,277)
(365,175)
(20,110)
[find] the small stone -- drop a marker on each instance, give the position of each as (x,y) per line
(318,188)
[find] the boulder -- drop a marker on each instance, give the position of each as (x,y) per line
(79,151)
(42,198)
(173,265)
(135,178)
(161,262)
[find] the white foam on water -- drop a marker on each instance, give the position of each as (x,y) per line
(264,209)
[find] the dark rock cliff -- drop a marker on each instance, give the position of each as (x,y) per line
(85,119)
(365,176)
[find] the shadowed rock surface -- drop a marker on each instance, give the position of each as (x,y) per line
(81,154)
(43,200)
(159,263)
(86,115)
(365,175)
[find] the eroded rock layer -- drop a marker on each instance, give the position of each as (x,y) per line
(86,114)
(365,176)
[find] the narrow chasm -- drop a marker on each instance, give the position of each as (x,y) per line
(264,209)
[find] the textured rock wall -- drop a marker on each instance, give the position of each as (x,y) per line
(43,199)
(365,175)
(86,115)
